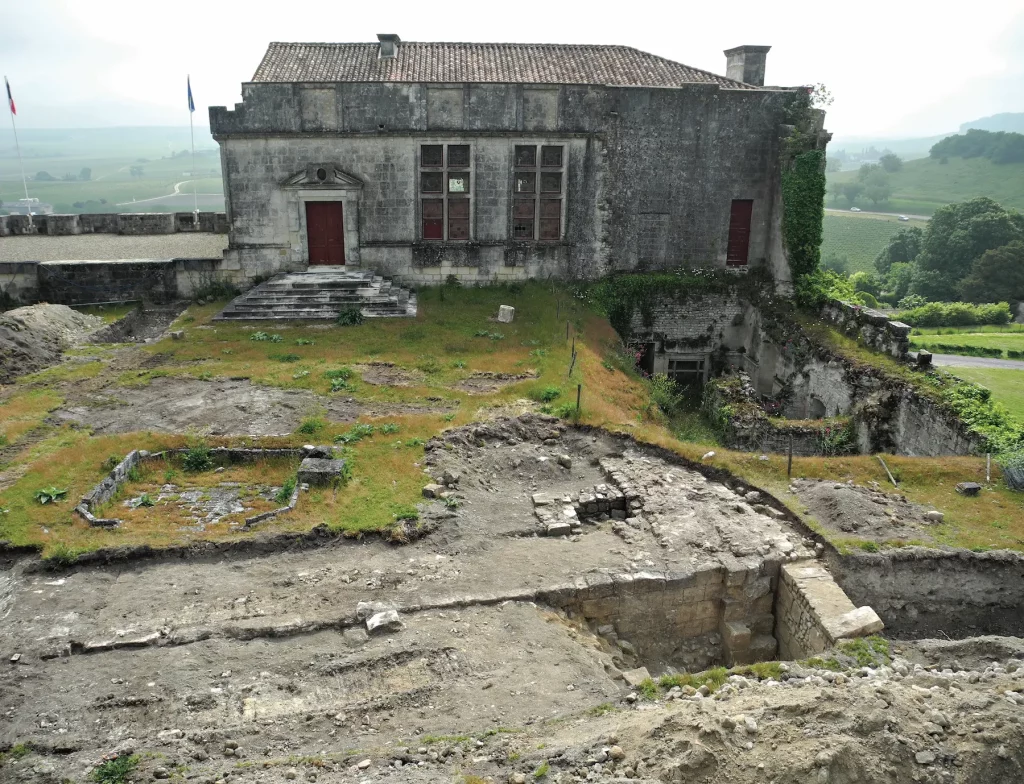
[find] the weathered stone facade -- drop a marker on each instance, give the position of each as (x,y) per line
(650,172)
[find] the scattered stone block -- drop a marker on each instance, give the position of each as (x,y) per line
(559,529)
(565,461)
(433,490)
(387,621)
(968,488)
(450,478)
(543,499)
(934,516)
(178,334)
(319,472)
(634,678)
(506,313)
(856,623)
(924,359)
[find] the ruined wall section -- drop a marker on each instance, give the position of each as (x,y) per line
(871,328)
(650,173)
(133,223)
(813,613)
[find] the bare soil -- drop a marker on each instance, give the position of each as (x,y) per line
(388,374)
(217,407)
(864,512)
(484,382)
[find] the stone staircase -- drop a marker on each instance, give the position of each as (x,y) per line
(320,294)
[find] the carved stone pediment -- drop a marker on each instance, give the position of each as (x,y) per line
(324,176)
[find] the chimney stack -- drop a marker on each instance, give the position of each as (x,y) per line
(389,45)
(746,64)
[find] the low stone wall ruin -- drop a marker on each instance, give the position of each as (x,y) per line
(870,327)
(921,592)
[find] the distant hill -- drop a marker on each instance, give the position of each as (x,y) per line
(924,185)
(1007,121)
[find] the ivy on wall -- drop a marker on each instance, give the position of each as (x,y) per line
(803,197)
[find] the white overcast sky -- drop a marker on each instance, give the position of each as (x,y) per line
(894,67)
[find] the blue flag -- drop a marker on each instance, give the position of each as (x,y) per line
(191,103)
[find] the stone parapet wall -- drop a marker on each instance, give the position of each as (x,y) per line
(129,223)
(870,327)
(812,612)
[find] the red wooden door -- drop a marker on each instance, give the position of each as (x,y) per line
(739,233)
(325,230)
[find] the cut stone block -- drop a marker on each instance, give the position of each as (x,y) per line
(506,313)
(433,491)
(968,488)
(559,529)
(735,635)
(317,471)
(856,623)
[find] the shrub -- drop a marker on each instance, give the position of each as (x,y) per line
(665,393)
(956,314)
(865,298)
(357,433)
(350,317)
(197,458)
(146,500)
(389,428)
(285,357)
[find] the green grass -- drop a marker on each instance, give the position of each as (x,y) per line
(1007,385)
(115,771)
(924,185)
(859,237)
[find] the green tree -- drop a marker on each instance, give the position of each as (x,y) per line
(44,176)
(897,282)
(891,162)
(956,235)
(864,281)
(836,189)
(851,190)
(878,192)
(996,276)
(86,174)
(836,263)
(833,165)
(903,246)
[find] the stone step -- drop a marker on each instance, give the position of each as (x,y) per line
(321,294)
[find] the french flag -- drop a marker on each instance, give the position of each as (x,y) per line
(10,98)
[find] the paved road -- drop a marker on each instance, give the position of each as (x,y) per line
(955,360)
(886,214)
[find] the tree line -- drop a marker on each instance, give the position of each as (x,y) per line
(998,146)
(872,181)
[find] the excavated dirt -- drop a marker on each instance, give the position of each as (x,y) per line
(34,337)
(486,382)
(255,668)
(388,374)
(864,512)
(219,407)
(142,324)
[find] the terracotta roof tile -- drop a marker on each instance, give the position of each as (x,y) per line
(466,62)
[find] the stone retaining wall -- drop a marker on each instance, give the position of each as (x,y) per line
(869,327)
(812,613)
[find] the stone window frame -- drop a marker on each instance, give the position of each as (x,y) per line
(537,168)
(444,195)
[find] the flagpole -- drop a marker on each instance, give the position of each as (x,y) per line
(21,163)
(192,133)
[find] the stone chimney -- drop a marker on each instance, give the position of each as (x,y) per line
(389,47)
(746,64)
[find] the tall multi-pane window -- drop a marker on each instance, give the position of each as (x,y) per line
(444,191)
(538,189)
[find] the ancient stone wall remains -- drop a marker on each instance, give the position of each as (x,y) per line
(812,613)
(921,592)
(870,327)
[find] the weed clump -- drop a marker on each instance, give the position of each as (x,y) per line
(357,433)
(197,458)
(50,495)
(115,771)
(311,426)
(544,394)
(284,495)
(350,317)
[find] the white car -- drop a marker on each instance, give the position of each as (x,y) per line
(903,218)
(854,209)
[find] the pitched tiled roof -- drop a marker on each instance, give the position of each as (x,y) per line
(463,62)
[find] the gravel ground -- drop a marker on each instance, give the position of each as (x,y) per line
(97,247)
